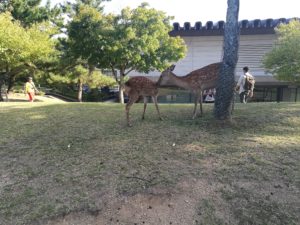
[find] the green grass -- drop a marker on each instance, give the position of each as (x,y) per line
(61,158)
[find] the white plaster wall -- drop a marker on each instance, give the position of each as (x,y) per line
(251,51)
(204,50)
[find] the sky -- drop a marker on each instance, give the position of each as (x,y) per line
(211,10)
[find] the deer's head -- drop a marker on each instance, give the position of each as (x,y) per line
(165,76)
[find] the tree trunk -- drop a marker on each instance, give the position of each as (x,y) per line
(91,70)
(80,84)
(3,89)
(1,98)
(225,86)
(11,76)
(11,82)
(121,93)
(120,82)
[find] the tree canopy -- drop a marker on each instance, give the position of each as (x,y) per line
(20,45)
(87,44)
(283,61)
(139,40)
(22,48)
(83,51)
(29,11)
(136,39)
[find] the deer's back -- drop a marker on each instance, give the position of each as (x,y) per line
(205,77)
(141,86)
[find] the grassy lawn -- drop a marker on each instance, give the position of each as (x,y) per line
(64,159)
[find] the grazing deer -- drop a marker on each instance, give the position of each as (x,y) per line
(196,81)
(139,86)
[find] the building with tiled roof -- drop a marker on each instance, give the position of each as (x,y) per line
(205,46)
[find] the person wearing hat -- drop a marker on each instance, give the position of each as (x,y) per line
(30,89)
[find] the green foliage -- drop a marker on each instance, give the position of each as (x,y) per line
(93,3)
(284,59)
(29,12)
(96,79)
(11,41)
(79,74)
(92,79)
(19,46)
(72,8)
(137,39)
(82,50)
(87,44)
(4,6)
(22,49)
(140,41)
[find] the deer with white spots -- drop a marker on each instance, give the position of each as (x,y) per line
(139,86)
(196,81)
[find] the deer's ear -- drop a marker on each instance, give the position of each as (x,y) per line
(171,68)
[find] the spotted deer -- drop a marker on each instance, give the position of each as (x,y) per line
(196,81)
(139,86)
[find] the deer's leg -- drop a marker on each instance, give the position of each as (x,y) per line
(132,99)
(154,98)
(201,100)
(145,106)
(196,103)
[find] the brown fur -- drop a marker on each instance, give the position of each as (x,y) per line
(196,81)
(137,87)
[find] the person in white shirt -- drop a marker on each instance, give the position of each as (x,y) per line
(244,94)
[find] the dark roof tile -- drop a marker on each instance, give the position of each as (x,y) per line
(198,25)
(220,25)
(209,25)
(256,26)
(187,26)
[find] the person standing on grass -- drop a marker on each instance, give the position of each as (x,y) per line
(245,85)
(30,89)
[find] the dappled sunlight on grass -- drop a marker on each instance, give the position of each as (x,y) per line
(194,148)
(24,105)
(283,141)
(37,117)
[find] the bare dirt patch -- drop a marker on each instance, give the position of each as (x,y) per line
(157,206)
